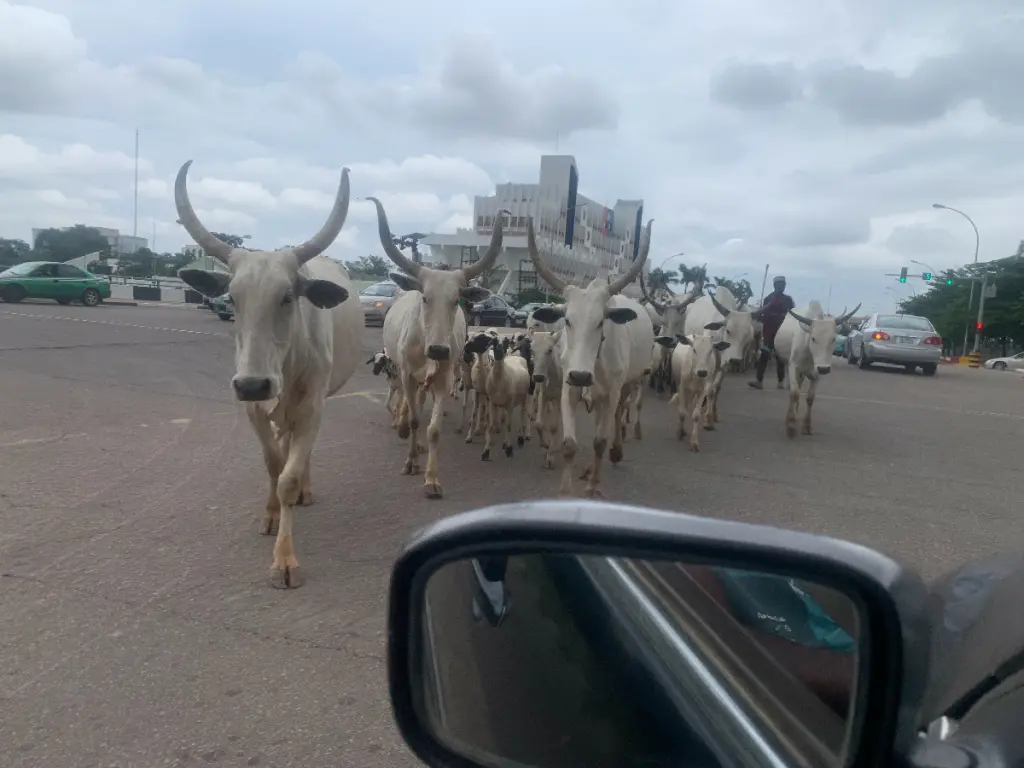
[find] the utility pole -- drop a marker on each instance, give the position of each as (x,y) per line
(981,313)
(135,218)
(764,282)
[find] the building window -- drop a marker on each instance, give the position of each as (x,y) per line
(480,221)
(488,221)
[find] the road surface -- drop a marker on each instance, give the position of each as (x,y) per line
(137,626)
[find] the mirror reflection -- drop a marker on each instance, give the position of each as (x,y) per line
(557,660)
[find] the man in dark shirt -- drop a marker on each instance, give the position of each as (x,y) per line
(773,311)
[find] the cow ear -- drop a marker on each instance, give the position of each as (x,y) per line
(714,326)
(721,346)
(211,284)
(405,282)
(666,341)
(548,314)
(619,315)
(323,294)
(474,293)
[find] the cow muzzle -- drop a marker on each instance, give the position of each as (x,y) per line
(824,369)
(252,389)
(580,379)
(539,378)
(702,374)
(439,352)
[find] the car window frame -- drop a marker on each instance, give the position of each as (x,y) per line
(80,274)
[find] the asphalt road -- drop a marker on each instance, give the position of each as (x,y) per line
(137,628)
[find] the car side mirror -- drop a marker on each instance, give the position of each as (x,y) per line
(563,633)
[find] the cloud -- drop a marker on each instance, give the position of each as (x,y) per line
(814,139)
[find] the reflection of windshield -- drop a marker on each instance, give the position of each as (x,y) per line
(379,290)
(904,322)
(20,269)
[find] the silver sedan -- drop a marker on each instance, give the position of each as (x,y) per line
(906,340)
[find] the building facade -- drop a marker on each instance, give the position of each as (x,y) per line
(119,244)
(578,238)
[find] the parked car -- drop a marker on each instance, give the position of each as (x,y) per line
(494,310)
(907,340)
(223,307)
(840,347)
(1013,363)
(523,313)
(63,283)
(376,300)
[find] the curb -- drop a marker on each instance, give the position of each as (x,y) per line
(121,302)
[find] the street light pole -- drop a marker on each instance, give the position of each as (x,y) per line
(977,243)
(981,312)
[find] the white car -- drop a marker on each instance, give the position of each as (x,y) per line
(1012,363)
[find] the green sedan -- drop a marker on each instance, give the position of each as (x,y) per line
(52,280)
(840,345)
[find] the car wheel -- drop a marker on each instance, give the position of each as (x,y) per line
(930,369)
(1000,366)
(14,294)
(91,297)
(850,359)
(224,316)
(910,368)
(863,360)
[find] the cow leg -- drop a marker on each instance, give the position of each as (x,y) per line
(465,409)
(716,391)
(605,427)
(284,570)
(618,430)
(274,461)
(698,406)
(306,494)
(420,448)
(410,426)
(571,397)
(492,415)
(794,401)
(431,483)
(525,419)
(638,433)
(549,433)
(812,388)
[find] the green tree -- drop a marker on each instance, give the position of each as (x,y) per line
(658,279)
(14,252)
(235,241)
(371,266)
(740,288)
(67,244)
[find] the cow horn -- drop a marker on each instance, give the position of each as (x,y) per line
(719,306)
(330,230)
(801,318)
(650,299)
(384,230)
(694,295)
(492,252)
(638,265)
(209,242)
(847,315)
(542,270)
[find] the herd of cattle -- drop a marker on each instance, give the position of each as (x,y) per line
(599,347)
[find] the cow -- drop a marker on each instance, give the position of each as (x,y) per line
(384,364)
(672,319)
(533,324)
(297,341)
(738,330)
(608,347)
(805,342)
(695,361)
(508,385)
(548,349)
(422,335)
(474,357)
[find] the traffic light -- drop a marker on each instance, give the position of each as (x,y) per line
(949,277)
(978,327)
(903,275)
(927,275)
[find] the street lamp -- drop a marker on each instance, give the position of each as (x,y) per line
(929,267)
(977,243)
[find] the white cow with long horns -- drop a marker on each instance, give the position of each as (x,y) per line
(421,335)
(608,340)
(805,341)
(297,341)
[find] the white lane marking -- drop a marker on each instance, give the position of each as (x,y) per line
(41,440)
(925,407)
(369,394)
(180,421)
(110,322)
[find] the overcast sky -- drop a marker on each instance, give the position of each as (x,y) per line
(813,135)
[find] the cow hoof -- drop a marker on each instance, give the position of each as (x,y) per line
(548,464)
(593,493)
(790,431)
(508,451)
(410,469)
(695,447)
(268,525)
(521,441)
(807,429)
(638,433)
(403,431)
(615,454)
(486,455)
(469,438)
(305,499)
(433,491)
(709,427)
(286,578)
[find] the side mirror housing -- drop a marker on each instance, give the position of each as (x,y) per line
(559,633)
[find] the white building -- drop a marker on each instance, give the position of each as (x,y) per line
(579,239)
(200,260)
(119,244)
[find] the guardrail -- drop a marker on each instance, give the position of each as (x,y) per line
(729,700)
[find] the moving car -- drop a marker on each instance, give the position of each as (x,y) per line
(63,283)
(376,300)
(523,313)
(223,307)
(1014,362)
(494,310)
(907,340)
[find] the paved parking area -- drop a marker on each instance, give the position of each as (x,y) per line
(138,630)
